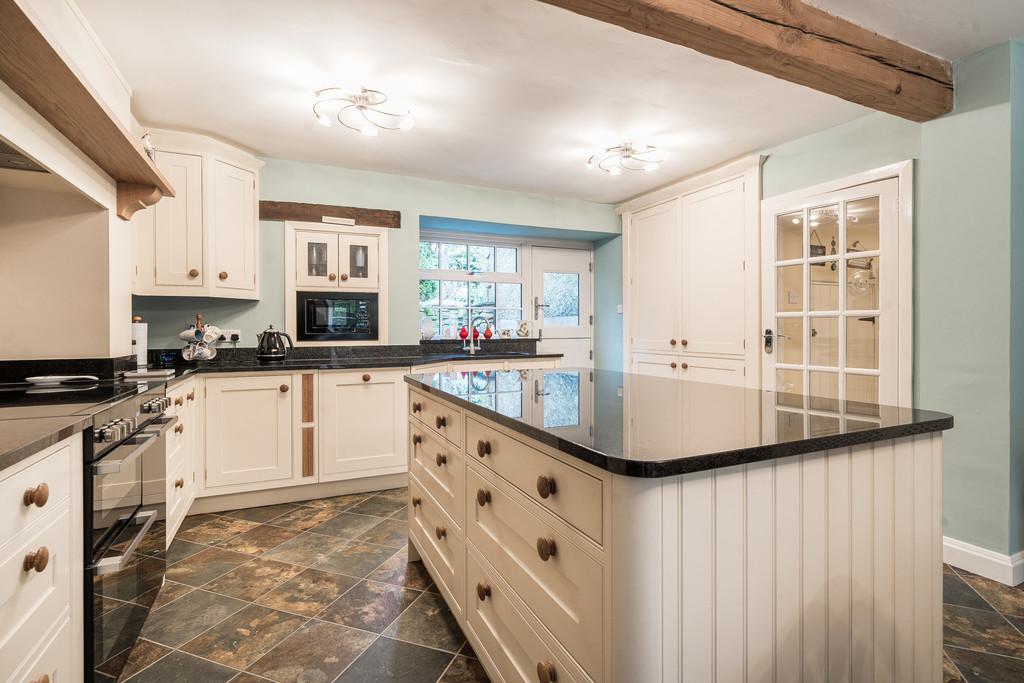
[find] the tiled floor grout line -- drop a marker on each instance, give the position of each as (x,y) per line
(989,603)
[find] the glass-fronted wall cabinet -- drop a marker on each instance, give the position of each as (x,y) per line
(331,259)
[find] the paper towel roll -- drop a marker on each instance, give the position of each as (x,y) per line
(140,343)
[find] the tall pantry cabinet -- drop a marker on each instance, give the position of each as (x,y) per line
(691,264)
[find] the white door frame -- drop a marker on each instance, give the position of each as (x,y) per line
(904,173)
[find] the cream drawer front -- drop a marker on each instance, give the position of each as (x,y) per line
(54,659)
(178,499)
(447,552)
(51,475)
(576,496)
(32,602)
(513,646)
(711,370)
(565,591)
(439,417)
(439,468)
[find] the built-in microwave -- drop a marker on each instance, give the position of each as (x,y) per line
(336,316)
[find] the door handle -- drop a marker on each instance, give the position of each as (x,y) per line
(537,305)
(769,341)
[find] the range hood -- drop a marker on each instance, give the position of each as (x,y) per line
(12,159)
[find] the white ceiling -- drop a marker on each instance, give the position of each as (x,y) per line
(506,93)
(948,28)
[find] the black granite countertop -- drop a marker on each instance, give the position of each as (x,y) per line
(642,426)
(21,438)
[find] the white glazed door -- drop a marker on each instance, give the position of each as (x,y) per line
(564,403)
(358,261)
(563,303)
(238,453)
(362,424)
(178,223)
(233,207)
(655,302)
(831,311)
(316,259)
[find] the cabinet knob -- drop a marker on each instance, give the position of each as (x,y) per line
(36,560)
(179,428)
(179,483)
(546,486)
(37,495)
(416,439)
(179,401)
(483,591)
(684,366)
(441,421)
(45,678)
(223,275)
(546,548)
(416,500)
(191,395)
(683,342)
(416,407)
(441,459)
(194,272)
(672,342)
(483,448)
(332,277)
(344,276)
(673,365)
(440,532)
(284,388)
(366,377)
(483,497)
(546,672)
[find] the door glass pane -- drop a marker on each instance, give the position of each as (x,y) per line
(454,293)
(453,257)
(359,261)
(823,231)
(481,259)
(824,391)
(789,230)
(862,342)
(824,287)
(789,426)
(481,294)
(428,255)
(824,334)
(862,276)
(789,388)
(791,340)
(862,394)
(562,299)
(862,225)
(316,259)
(790,288)
(506,260)
(561,399)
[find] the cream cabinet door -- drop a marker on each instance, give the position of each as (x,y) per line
(358,261)
(233,211)
(237,452)
(316,259)
(654,288)
(362,424)
(178,223)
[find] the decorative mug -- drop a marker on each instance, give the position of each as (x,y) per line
(506,334)
(524,328)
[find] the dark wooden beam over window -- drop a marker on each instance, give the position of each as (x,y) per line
(794,41)
(294,211)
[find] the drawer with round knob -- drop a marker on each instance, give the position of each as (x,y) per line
(570,493)
(438,416)
(440,542)
(36,490)
(52,661)
(512,641)
(546,568)
(439,468)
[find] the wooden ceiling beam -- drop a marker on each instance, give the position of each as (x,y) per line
(796,42)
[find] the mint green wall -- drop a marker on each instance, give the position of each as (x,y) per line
(968,295)
(302,182)
(607,298)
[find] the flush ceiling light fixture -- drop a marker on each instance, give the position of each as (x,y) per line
(359,111)
(628,156)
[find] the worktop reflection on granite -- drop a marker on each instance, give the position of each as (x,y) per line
(646,426)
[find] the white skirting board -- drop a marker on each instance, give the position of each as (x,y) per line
(1008,569)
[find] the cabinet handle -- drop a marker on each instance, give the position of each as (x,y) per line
(441,421)
(223,275)
(332,277)
(179,401)
(683,342)
(194,272)
(416,501)
(36,560)
(483,497)
(440,532)
(344,277)
(483,448)
(672,342)
(673,365)
(441,459)
(191,395)
(179,428)
(546,548)
(366,377)
(37,495)
(546,672)
(416,407)
(684,366)
(546,486)
(483,591)
(179,483)
(284,388)
(416,439)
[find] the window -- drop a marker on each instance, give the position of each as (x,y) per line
(457,278)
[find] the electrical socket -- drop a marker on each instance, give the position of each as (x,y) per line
(226,334)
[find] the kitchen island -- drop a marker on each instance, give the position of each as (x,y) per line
(599,526)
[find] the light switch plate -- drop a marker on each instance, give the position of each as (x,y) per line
(618,309)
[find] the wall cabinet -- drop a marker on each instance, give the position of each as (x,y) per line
(336,260)
(205,240)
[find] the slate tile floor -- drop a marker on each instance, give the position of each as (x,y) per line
(316,591)
(323,591)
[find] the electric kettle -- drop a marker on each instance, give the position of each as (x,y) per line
(270,345)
